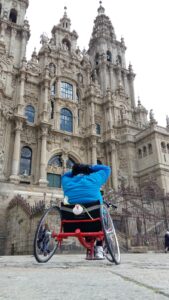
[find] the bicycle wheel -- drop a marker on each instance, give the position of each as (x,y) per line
(44,244)
(111,247)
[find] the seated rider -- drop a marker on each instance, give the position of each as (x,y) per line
(82,185)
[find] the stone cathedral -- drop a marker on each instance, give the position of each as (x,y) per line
(67,105)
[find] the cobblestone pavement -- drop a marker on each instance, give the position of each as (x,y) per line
(139,276)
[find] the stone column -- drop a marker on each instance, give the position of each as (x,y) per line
(23,44)
(94,152)
(93,125)
(22,89)
(75,123)
(126,84)
(16,153)
(114,166)
(131,85)
(43,164)
(46,95)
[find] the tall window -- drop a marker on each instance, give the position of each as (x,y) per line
(66,90)
(51,109)
(139,153)
(109,56)
(53,89)
(98,130)
(150,149)
(0,8)
(30,113)
(26,161)
(66,120)
(97,58)
(13,16)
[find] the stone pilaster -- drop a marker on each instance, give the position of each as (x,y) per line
(23,44)
(22,90)
(43,163)
(12,40)
(14,178)
(46,96)
(114,166)
(94,152)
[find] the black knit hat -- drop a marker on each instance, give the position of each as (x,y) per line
(81,169)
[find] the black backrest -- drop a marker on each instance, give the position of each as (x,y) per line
(90,211)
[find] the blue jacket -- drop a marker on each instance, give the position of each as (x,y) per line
(85,188)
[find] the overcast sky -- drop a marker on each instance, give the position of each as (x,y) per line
(144,24)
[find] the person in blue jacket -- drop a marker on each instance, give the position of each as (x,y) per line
(82,185)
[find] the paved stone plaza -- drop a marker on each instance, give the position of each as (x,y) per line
(140,276)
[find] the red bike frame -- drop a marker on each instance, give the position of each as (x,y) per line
(86,239)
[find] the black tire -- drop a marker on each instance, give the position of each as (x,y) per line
(44,244)
(111,247)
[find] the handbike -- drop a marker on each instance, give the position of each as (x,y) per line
(59,223)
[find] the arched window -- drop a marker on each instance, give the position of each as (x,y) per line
(150,149)
(144,151)
(98,129)
(66,44)
(66,90)
(54,179)
(109,56)
(70,162)
(168,148)
(97,59)
(163,147)
(26,161)
(66,120)
(55,161)
(30,113)
(139,153)
(13,15)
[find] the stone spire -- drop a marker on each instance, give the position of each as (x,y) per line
(65,21)
(101,9)
(102,27)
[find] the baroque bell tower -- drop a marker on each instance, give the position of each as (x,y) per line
(14,28)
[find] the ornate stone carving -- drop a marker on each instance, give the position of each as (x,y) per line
(29,136)
(7,109)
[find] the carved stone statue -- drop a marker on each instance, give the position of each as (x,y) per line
(44,38)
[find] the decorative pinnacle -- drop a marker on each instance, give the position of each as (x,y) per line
(101,9)
(65,13)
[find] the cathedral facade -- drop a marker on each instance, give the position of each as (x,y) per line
(67,105)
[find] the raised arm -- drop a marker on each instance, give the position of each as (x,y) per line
(102,171)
